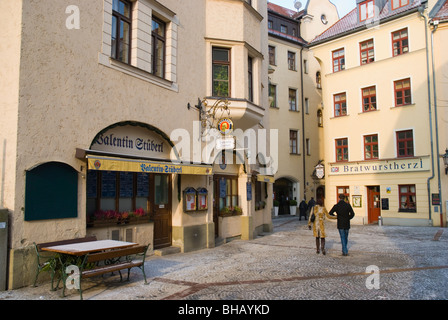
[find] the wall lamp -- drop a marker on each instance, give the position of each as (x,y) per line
(445,160)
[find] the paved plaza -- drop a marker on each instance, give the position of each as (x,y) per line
(384,263)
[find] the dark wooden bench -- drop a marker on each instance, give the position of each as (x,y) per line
(48,262)
(96,264)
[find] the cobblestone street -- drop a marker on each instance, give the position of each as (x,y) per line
(283,265)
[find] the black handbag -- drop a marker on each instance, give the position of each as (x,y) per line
(313,217)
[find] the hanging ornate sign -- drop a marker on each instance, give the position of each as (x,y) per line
(225,126)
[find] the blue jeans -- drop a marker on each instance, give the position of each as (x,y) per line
(344,240)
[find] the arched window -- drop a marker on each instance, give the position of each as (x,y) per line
(318,80)
(320,118)
(51,192)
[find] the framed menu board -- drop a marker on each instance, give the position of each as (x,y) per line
(202,195)
(190,199)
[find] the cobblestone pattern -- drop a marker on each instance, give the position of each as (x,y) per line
(283,265)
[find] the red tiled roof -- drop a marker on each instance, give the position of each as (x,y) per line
(350,22)
(442,14)
(289,14)
(284,11)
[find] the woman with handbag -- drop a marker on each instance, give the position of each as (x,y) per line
(317,218)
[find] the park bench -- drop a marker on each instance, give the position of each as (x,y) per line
(96,264)
(48,262)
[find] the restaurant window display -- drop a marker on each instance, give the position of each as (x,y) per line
(117,197)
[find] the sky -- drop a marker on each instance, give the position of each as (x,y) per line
(344,6)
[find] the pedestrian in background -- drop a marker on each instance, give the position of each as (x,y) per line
(302,209)
(317,219)
(345,213)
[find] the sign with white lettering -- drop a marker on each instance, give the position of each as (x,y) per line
(381,166)
(133,140)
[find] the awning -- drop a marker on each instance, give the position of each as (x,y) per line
(135,165)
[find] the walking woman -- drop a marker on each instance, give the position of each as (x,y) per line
(320,213)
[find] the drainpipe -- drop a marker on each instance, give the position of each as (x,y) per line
(421,9)
(435,25)
(303,124)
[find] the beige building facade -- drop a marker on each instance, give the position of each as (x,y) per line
(100,97)
(295,99)
(380,137)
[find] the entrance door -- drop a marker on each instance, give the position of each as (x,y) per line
(373,203)
(161,210)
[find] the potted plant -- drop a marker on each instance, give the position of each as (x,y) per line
(292,207)
(237,211)
(276,205)
(225,212)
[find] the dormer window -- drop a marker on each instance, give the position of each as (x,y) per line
(366,10)
(399,3)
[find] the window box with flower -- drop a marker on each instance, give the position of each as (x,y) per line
(105,218)
(231,211)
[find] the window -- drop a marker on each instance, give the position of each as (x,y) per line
(308,147)
(400,42)
(293,142)
(366,10)
(343,190)
(221,72)
(273,95)
(272,55)
(283,29)
(371,147)
(292,99)
(250,78)
(399,3)
(367,52)
(291,61)
(270,24)
(407,196)
(318,80)
(227,187)
(307,106)
(338,60)
(305,66)
(122,191)
(402,92)
(369,99)
(320,118)
(158,35)
(341,150)
(340,105)
(405,143)
(121,31)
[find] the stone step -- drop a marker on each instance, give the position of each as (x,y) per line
(166,251)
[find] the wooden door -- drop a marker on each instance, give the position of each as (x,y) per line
(373,203)
(161,210)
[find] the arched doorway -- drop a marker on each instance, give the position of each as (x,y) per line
(284,190)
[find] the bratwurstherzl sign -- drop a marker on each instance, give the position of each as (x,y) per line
(381,166)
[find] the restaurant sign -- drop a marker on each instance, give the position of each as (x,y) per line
(131,165)
(381,166)
(132,140)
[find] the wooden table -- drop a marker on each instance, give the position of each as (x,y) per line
(74,255)
(81,249)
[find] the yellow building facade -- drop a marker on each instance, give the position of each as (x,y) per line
(295,99)
(380,140)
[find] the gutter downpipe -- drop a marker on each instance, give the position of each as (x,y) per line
(303,124)
(421,9)
(435,25)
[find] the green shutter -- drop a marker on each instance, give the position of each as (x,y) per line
(51,192)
